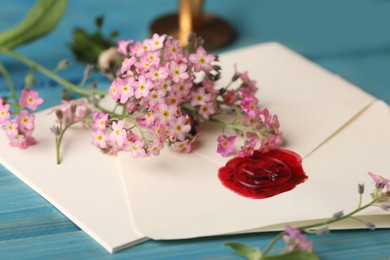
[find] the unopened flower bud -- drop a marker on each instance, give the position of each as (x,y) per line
(73,108)
(59,114)
(338,214)
(88,70)
(230,111)
(385,207)
(191,37)
(87,112)
(65,95)
(93,85)
(62,64)
(361,188)
(199,43)
(5,99)
(29,80)
(55,130)
(380,186)
(369,224)
(217,67)
(235,77)
(322,231)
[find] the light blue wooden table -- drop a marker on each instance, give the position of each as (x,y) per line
(350,38)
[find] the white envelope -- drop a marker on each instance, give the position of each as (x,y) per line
(340,131)
(86,186)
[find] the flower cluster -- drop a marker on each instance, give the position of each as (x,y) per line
(19,129)
(164,91)
(295,240)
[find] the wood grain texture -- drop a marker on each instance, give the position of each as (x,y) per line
(347,37)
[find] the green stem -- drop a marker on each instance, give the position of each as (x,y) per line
(11,87)
(50,74)
(59,138)
(273,242)
(333,220)
(240,127)
(327,222)
(140,131)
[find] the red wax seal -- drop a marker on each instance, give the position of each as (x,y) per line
(263,175)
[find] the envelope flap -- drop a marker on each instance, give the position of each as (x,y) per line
(305,127)
(177,196)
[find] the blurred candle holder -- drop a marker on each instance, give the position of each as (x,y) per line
(215,31)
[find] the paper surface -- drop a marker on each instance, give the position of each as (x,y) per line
(339,130)
(86,186)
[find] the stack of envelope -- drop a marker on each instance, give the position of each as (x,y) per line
(340,131)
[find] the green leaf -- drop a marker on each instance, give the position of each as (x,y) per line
(41,19)
(294,255)
(246,251)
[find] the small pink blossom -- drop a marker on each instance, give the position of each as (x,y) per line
(180,128)
(132,137)
(173,49)
(270,142)
(265,117)
(247,91)
(181,146)
(136,149)
(207,110)
(30,99)
(148,119)
(248,148)
(22,141)
(200,97)
(114,89)
(155,148)
(296,240)
(202,60)
(153,57)
(178,72)
(166,113)
(230,97)
(380,181)
(182,89)
(165,85)
(142,87)
(100,121)
(25,120)
(226,145)
(157,41)
(118,134)
(157,74)
(155,97)
(143,65)
(99,139)
(249,105)
(11,128)
(126,89)
(159,131)
(123,46)
(4,112)
(145,46)
(127,63)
